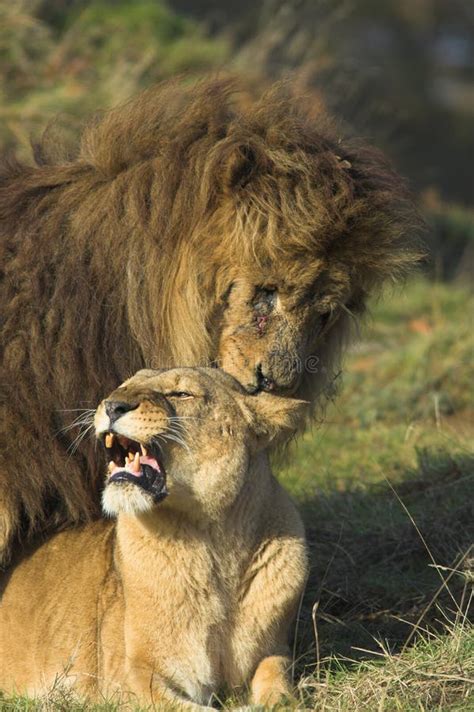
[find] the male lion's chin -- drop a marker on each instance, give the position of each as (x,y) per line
(126,498)
(287,388)
(260,379)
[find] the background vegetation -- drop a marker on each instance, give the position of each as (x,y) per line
(385,484)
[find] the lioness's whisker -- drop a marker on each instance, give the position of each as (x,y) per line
(75,410)
(76,423)
(81,419)
(184,417)
(80,437)
(89,413)
(169,436)
(71,426)
(176,433)
(84,429)
(175,438)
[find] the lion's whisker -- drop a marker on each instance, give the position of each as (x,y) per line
(78,440)
(184,417)
(86,428)
(175,436)
(76,423)
(176,433)
(81,419)
(72,410)
(169,436)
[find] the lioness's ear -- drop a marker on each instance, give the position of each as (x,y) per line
(273,418)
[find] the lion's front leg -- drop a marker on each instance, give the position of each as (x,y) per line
(146,687)
(274,585)
(270,683)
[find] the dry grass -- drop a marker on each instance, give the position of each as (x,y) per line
(436,674)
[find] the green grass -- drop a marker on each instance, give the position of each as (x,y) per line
(102,53)
(385,488)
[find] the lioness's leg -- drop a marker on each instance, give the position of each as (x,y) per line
(270,682)
(274,583)
(146,687)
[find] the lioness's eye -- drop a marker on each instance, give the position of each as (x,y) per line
(179,394)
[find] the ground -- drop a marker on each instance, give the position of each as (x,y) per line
(385,487)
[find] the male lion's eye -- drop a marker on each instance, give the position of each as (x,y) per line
(264,300)
(225,296)
(179,394)
(327,320)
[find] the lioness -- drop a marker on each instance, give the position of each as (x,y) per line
(192,591)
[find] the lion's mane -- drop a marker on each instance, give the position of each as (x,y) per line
(116,257)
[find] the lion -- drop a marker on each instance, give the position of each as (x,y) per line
(188,228)
(192,591)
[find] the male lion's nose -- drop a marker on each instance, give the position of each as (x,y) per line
(115,409)
(264,382)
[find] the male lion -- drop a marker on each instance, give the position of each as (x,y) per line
(185,230)
(193,590)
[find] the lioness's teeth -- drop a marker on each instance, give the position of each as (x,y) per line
(136,462)
(131,456)
(127,460)
(109,439)
(143,449)
(111,465)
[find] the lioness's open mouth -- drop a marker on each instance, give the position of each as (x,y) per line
(132,461)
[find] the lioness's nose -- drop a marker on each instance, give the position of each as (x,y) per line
(115,409)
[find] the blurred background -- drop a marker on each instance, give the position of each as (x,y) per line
(399,73)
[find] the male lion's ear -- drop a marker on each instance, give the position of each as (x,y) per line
(273,418)
(240,165)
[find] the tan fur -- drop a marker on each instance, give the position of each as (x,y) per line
(149,246)
(192,597)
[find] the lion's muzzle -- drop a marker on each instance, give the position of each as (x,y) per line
(132,462)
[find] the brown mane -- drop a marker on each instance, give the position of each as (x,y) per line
(118,258)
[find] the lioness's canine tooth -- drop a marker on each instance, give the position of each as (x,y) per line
(109,439)
(111,465)
(136,462)
(143,449)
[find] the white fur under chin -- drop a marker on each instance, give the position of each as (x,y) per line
(126,498)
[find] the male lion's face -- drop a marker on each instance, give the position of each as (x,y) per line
(272,333)
(183,437)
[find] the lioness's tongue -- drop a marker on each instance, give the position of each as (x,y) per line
(147,460)
(134,466)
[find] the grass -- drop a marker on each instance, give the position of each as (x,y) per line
(100,54)
(385,487)
(434,675)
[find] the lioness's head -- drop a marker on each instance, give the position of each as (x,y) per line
(185,437)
